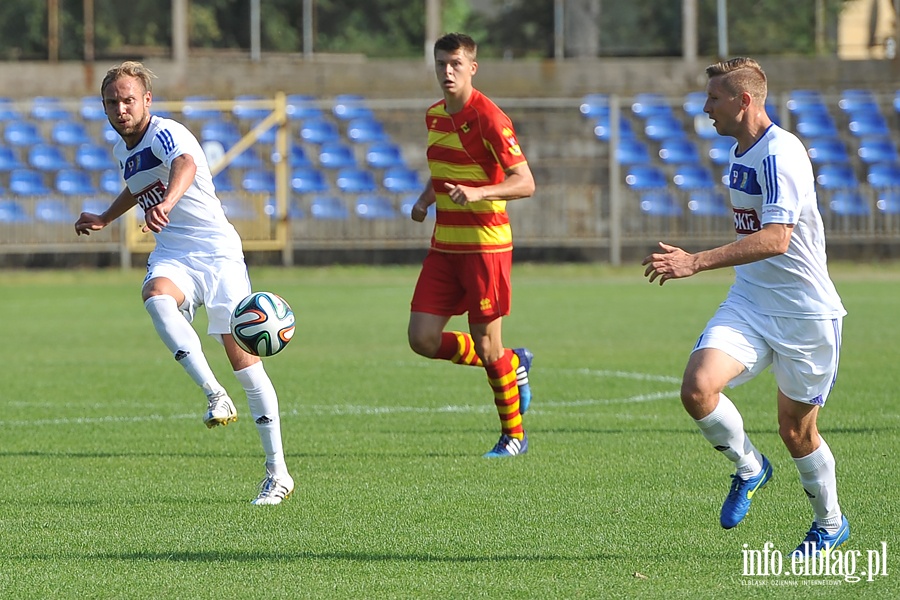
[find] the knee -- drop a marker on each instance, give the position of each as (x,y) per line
(423,343)
(796,436)
(698,395)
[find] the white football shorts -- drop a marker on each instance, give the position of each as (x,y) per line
(217,283)
(804,353)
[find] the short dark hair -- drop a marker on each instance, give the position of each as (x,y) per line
(451,42)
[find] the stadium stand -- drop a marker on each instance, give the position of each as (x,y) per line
(829,149)
(301,107)
(7,110)
(328,207)
(849,203)
(836,176)
(22,133)
(9,160)
(400,180)
(659,203)
(351,106)
(48,108)
(69,133)
(708,203)
(74,182)
(384,155)
(356,181)
(594,106)
(53,210)
(319,131)
(27,182)
(642,177)
(46,157)
(12,211)
(94,157)
(308,180)
(693,176)
(366,131)
(258,181)
(371,206)
(678,150)
(336,155)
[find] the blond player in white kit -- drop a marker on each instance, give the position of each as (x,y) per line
(197,261)
(783,309)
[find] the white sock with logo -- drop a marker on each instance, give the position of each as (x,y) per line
(263,402)
(181,340)
(724,429)
(819,480)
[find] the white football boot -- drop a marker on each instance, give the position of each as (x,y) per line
(272,490)
(221,410)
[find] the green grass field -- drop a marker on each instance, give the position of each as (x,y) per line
(112,487)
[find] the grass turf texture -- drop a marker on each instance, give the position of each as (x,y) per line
(113,488)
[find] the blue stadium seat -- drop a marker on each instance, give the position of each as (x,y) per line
(46,108)
(877,149)
(854,101)
(884,175)
(720,149)
(827,150)
(47,158)
(244,110)
(868,124)
(632,151)
(650,104)
(708,203)
(372,206)
(812,125)
(294,210)
(837,176)
(849,203)
(693,104)
(8,159)
(296,157)
(219,130)
(594,106)
(258,181)
(384,155)
(693,176)
(399,180)
(111,182)
(222,181)
(602,130)
(8,111)
(194,109)
(888,202)
(248,159)
(319,131)
(12,212)
(22,133)
(642,177)
(74,182)
(806,101)
(329,208)
(659,203)
(336,155)
(92,109)
(678,150)
(356,181)
(94,157)
(366,131)
(308,180)
(660,127)
(351,106)
(26,182)
(896,102)
(69,133)
(53,210)
(301,107)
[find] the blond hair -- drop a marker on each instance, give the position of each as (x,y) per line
(129,68)
(741,75)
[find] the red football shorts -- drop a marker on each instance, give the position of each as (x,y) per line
(453,284)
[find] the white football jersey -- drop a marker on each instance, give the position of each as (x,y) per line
(197,223)
(773,182)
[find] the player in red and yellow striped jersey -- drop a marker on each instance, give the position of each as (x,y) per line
(476,166)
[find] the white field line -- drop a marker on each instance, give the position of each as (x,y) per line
(367,410)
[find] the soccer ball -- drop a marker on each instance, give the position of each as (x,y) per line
(262,324)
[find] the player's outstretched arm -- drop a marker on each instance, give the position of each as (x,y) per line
(674,263)
(88,222)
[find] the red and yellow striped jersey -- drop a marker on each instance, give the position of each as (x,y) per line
(473,147)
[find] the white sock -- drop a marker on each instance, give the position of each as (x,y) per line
(817,474)
(724,429)
(263,402)
(181,340)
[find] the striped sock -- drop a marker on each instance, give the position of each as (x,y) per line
(502,377)
(457,347)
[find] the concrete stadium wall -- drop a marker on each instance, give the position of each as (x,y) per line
(227,75)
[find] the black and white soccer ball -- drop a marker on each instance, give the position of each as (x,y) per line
(262,324)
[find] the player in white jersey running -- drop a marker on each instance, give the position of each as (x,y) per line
(783,310)
(197,261)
